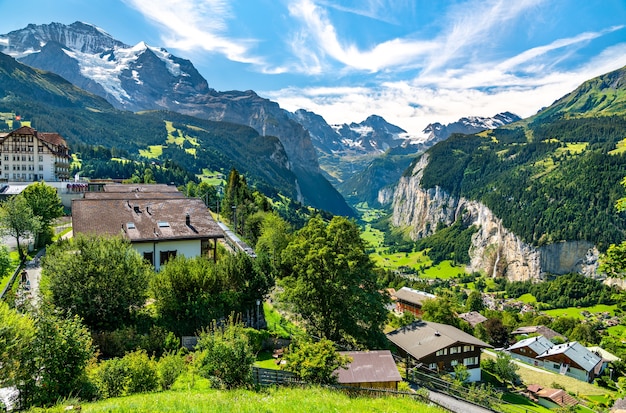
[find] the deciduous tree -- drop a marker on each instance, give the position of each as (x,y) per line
(315,362)
(101,279)
(332,285)
(18,221)
(46,204)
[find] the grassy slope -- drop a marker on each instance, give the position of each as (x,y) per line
(241,401)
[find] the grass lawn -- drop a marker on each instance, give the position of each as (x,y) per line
(265,360)
(199,398)
(519,403)
(153,152)
(527,298)
(444,270)
(576,311)
(277,325)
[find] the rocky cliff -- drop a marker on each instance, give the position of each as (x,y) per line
(495,250)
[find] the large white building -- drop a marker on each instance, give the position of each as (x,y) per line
(27,155)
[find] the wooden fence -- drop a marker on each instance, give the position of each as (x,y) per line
(269,377)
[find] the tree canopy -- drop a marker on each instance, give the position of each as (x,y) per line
(332,284)
(101,279)
(18,220)
(46,204)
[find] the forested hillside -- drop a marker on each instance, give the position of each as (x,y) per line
(546,181)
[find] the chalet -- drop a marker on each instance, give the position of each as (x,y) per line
(159,227)
(27,155)
(370,369)
(439,347)
(473,318)
(408,299)
(572,359)
(538,330)
(529,349)
(550,398)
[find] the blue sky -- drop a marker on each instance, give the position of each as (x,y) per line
(412,62)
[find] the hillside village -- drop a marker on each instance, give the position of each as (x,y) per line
(209,244)
(428,337)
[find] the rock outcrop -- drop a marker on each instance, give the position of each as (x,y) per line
(494,250)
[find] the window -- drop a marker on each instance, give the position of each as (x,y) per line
(166,256)
(41,167)
(6,167)
(432,366)
(6,157)
(468,348)
(454,363)
(149,256)
(455,350)
(40,158)
(470,361)
(442,352)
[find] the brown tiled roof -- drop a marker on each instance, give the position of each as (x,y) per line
(542,330)
(133,195)
(473,318)
(53,138)
(369,367)
(422,338)
(558,396)
(146,219)
(139,188)
(412,296)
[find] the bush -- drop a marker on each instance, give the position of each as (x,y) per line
(110,378)
(226,356)
(142,372)
(134,373)
(170,366)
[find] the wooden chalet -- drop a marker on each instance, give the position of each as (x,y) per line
(439,347)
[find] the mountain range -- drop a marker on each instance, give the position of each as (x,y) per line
(141,78)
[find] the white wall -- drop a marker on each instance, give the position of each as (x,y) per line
(188,248)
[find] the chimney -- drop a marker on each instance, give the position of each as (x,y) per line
(137,210)
(188,220)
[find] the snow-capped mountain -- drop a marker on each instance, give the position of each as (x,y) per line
(436,132)
(373,135)
(142,77)
(134,78)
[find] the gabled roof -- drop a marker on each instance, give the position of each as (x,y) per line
(413,296)
(542,330)
(369,367)
(49,137)
(145,219)
(423,338)
(538,344)
(558,396)
(576,352)
(607,356)
(149,188)
(473,318)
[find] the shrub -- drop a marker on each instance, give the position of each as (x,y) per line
(142,372)
(110,378)
(134,373)
(225,356)
(170,366)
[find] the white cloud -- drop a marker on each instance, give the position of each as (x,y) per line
(191,25)
(319,36)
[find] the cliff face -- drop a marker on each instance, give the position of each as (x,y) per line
(495,250)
